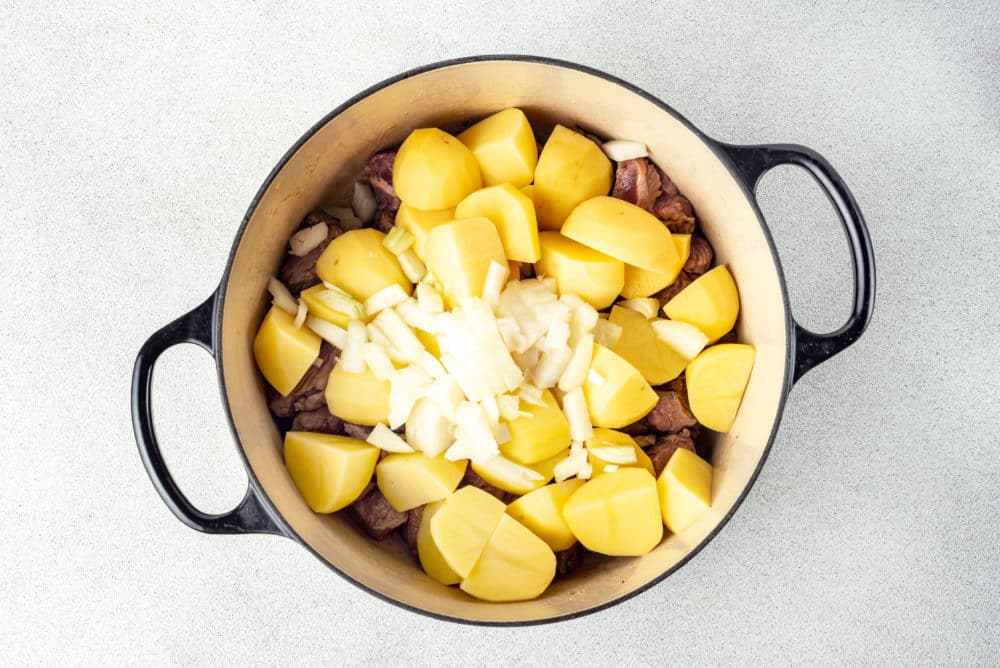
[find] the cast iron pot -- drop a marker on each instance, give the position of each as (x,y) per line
(718,178)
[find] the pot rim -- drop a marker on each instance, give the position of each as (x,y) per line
(713,145)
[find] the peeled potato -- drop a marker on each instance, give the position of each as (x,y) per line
(463,524)
(609,437)
(504,146)
(360,398)
(623,231)
(283,351)
(716,380)
(513,214)
(321,309)
(642,348)
(411,479)
(434,170)
(430,557)
(617,513)
(589,274)
(570,169)
(459,254)
(541,511)
(685,489)
(515,565)
(420,223)
(329,471)
(542,435)
(643,282)
(359,264)
(529,190)
(711,303)
(616,393)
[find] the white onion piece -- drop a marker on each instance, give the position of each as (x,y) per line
(473,434)
(399,334)
(531,394)
(575,373)
(416,317)
(509,406)
(489,404)
(304,241)
(447,395)
(496,277)
(378,360)
(406,387)
(610,468)
(431,365)
(385,298)
(511,334)
(595,378)
(282,296)
(607,333)
(510,472)
(614,454)
(411,265)
(574,405)
(385,438)
(328,331)
(550,367)
(582,322)
(363,201)
(428,298)
(474,353)
(685,338)
(575,465)
(353,359)
(300,315)
(428,429)
(621,149)
(340,212)
(502,433)
(647,306)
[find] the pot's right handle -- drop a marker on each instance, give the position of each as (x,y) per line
(249,516)
(812,348)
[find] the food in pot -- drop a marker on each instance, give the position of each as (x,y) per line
(474,355)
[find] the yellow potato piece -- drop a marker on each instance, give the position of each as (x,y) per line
(360,398)
(504,146)
(617,513)
(462,526)
(513,214)
(616,393)
(459,254)
(514,273)
(589,274)
(545,468)
(529,190)
(711,303)
(283,351)
(716,380)
(570,169)
(515,565)
(329,471)
(411,479)
(542,435)
(685,489)
(321,309)
(434,170)
(625,232)
(642,348)
(359,264)
(541,511)
(643,282)
(420,223)
(609,437)
(430,557)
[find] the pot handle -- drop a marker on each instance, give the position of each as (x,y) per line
(811,348)
(249,516)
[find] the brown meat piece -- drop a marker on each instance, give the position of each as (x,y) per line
(319,420)
(701,256)
(676,212)
(472,478)
(683,280)
(671,413)
(728,337)
(665,447)
(637,182)
(408,531)
(568,560)
(589,135)
(309,394)
(357,430)
(379,174)
(667,186)
(375,515)
(299,271)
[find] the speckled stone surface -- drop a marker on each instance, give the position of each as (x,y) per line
(132,138)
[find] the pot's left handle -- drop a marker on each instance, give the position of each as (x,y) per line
(249,516)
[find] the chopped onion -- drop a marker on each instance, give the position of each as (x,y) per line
(531,394)
(305,241)
(363,202)
(512,473)
(489,404)
(648,306)
(595,378)
(398,240)
(685,338)
(406,386)
(502,433)
(614,454)
(348,223)
(385,438)
(340,212)
(574,405)
(411,265)
(416,317)
(550,367)
(342,302)
(571,300)
(610,468)
(575,446)
(557,338)
(528,360)
(376,335)
(621,149)
(328,331)
(473,434)
(378,361)
(511,334)
(496,277)
(575,373)
(399,334)
(607,333)
(428,298)
(353,359)
(300,316)
(428,429)
(385,298)
(474,353)
(582,322)
(282,296)
(509,406)
(446,395)
(431,365)
(575,465)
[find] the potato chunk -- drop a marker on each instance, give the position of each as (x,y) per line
(542,512)
(711,303)
(685,489)
(625,232)
(329,471)
(616,393)
(604,438)
(359,264)
(434,170)
(617,513)
(642,348)
(360,398)
(542,434)
(430,557)
(643,282)
(320,309)
(589,274)
(420,223)
(459,254)
(462,526)
(504,146)
(513,214)
(283,351)
(716,380)
(411,479)
(515,565)
(570,169)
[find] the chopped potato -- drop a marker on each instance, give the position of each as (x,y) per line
(542,512)
(541,434)
(625,232)
(330,471)
(617,513)
(513,214)
(589,274)
(716,380)
(616,393)
(504,146)
(685,489)
(711,303)
(642,348)
(420,223)
(609,437)
(411,479)
(570,169)
(515,565)
(434,170)
(462,526)
(357,262)
(643,282)
(459,254)
(283,351)
(360,398)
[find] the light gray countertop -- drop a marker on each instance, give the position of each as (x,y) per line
(132,139)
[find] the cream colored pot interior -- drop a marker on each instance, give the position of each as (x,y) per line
(322,171)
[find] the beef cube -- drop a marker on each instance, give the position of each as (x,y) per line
(568,560)
(375,515)
(356,430)
(666,294)
(318,420)
(473,478)
(408,531)
(310,393)
(701,256)
(379,175)
(676,211)
(637,182)
(671,413)
(665,447)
